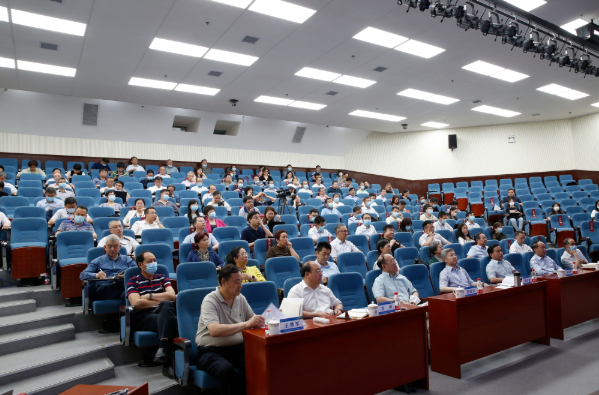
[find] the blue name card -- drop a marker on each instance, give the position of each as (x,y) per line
(291,324)
(526,280)
(569,272)
(469,291)
(386,308)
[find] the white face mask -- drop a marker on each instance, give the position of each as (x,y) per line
(511,203)
(556,208)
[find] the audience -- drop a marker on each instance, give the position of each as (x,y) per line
(134,166)
(497,232)
(368,207)
(149,179)
(116,229)
(205,169)
(511,195)
(406,226)
(498,268)
(329,208)
(396,216)
(63,193)
(389,235)
(518,246)
(514,215)
(239,257)
(479,249)
(323,252)
(50,202)
(68,211)
(356,216)
(77,171)
(429,235)
(540,262)
(572,257)
(157,185)
(390,281)
(319,301)
(13,190)
(199,224)
(462,234)
(283,246)
(341,244)
(110,201)
(435,249)
(442,224)
(255,229)
(77,224)
(470,222)
(102,177)
(319,229)
(150,221)
(366,229)
(453,276)
(120,171)
(102,165)
(193,211)
(212,222)
(138,211)
(164,201)
(32,169)
(427,215)
(200,252)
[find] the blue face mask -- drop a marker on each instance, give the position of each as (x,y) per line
(358,216)
(336,199)
(204,165)
(362,187)
(150,178)
(499,230)
(572,248)
(471,218)
(443,221)
(271,185)
(289,168)
(62,185)
(395,214)
(312,219)
(212,215)
(367,222)
(79,219)
(151,267)
(70,210)
(368,204)
(50,199)
(112,198)
(422,201)
(199,184)
(435,205)
(408,227)
(194,207)
(330,205)
(321,228)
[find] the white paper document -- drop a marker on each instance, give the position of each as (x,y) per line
(292,307)
(508,281)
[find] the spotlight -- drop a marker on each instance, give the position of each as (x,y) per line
(550,48)
(512,36)
(424,5)
(532,44)
(564,59)
(443,10)
(409,3)
(469,20)
(496,28)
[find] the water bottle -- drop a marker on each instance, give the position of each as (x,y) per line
(46,279)
(396,301)
(533,276)
(574,268)
(479,286)
(267,317)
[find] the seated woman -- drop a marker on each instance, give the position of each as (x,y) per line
(463,234)
(394,200)
(383,246)
(322,195)
(453,213)
(239,257)
(200,174)
(200,252)
(288,180)
(515,216)
(111,197)
(497,232)
(283,246)
(136,211)
(362,190)
(270,217)
(435,249)
(249,191)
(265,176)
(193,210)
(406,226)
(296,201)
(212,222)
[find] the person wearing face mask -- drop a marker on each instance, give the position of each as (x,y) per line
(311,216)
(50,202)
(362,190)
(212,222)
(514,215)
(270,187)
(316,173)
(56,174)
(199,187)
(199,224)
(238,187)
(319,229)
(150,221)
(77,224)
(427,215)
(422,200)
(351,194)
(138,211)
(340,178)
(453,213)
(153,298)
(442,224)
(429,235)
(62,191)
(470,222)
(497,232)
(396,216)
(572,256)
(337,200)
(556,209)
(356,216)
(171,193)
(149,179)
(170,168)
(366,229)
(435,205)
(205,168)
(406,226)
(165,202)
(329,208)
(368,207)
(193,211)
(511,194)
(306,188)
(256,182)
(68,211)
(462,234)
(110,201)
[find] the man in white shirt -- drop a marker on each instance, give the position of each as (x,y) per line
(429,235)
(572,255)
(357,216)
(248,207)
(13,190)
(518,245)
(367,206)
(498,268)
(479,249)
(199,187)
(116,228)
(68,211)
(470,223)
(319,229)
(109,185)
(319,301)
(199,224)
(134,166)
(337,200)
(323,252)
(382,195)
(162,172)
(366,229)
(150,222)
(540,262)
(157,185)
(4,221)
(442,224)
(62,191)
(210,194)
(50,202)
(340,244)
(318,183)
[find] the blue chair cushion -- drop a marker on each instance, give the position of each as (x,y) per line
(106,306)
(201,378)
(28,244)
(172,276)
(145,338)
(70,261)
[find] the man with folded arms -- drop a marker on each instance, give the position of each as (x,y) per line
(390,281)
(572,256)
(116,229)
(541,263)
(319,301)
(453,276)
(498,268)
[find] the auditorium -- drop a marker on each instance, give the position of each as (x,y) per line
(272,197)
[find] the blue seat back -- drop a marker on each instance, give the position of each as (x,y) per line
(189,308)
(162,252)
(99,212)
(405,256)
(280,269)
(457,248)
(290,283)
(517,262)
(195,275)
(157,236)
(260,294)
(303,246)
(291,230)
(370,277)
(29,212)
(472,266)
(70,245)
(419,277)
(226,233)
(29,230)
(352,262)
(349,289)
(89,192)
(361,242)
(435,271)
(226,246)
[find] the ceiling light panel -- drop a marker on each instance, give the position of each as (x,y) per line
(552,89)
(571,94)
(3,14)
(230,57)
(442,99)
(7,63)
(273,100)
(317,74)
(46,68)
(595,104)
(380,37)
(562,91)
(418,48)
(200,90)
(387,117)
(161,44)
(235,3)
(354,81)
(47,23)
(496,111)
(572,26)
(509,75)
(307,105)
(436,125)
(282,9)
(527,5)
(494,71)
(421,95)
(376,115)
(365,114)
(147,83)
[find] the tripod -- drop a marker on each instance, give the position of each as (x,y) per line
(283,204)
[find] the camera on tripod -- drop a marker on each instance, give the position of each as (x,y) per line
(283,193)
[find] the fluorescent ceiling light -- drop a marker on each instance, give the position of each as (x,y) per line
(354,81)
(421,95)
(527,5)
(376,115)
(152,83)
(283,10)
(496,111)
(307,105)
(571,94)
(595,104)
(435,125)
(562,91)
(273,100)
(387,117)
(419,49)
(317,74)
(380,37)
(442,99)
(572,26)
(3,14)
(483,68)
(230,57)
(46,68)
(509,75)
(200,90)
(161,44)
(7,62)
(365,114)
(47,23)
(235,3)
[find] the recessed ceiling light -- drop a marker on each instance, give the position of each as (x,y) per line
(572,26)
(496,111)
(442,99)
(152,83)
(562,91)
(509,75)
(365,114)
(47,23)
(250,40)
(215,73)
(8,63)
(387,117)
(230,57)
(307,105)
(177,47)
(380,37)
(46,68)
(435,125)
(483,68)
(595,104)
(421,95)
(317,74)
(273,100)
(282,9)
(354,81)
(376,115)
(527,5)
(235,3)
(571,94)
(3,14)
(552,89)
(200,90)
(419,49)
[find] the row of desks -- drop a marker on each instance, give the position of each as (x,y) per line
(379,353)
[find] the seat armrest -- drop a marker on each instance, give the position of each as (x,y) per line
(176,253)
(54,267)
(85,296)
(183,346)
(125,312)
(3,247)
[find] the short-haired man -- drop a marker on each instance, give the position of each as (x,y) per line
(210,194)
(109,266)
(77,224)
(68,211)
(390,281)
(329,208)
(158,186)
(205,168)
(199,187)
(453,276)
(382,195)
(518,246)
(366,229)
(479,250)
(334,188)
(540,262)
(150,222)
(102,177)
(153,297)
(356,216)
(396,216)
(368,206)
(116,229)
(162,172)
(498,268)
(171,194)
(134,166)
(217,200)
(323,252)
(429,235)
(255,229)
(164,201)
(63,193)
(248,207)
(319,229)
(32,169)
(319,301)
(313,213)
(442,224)
(199,223)
(337,200)
(13,190)
(511,194)
(470,222)
(351,194)
(148,179)
(572,255)
(109,185)
(119,172)
(388,234)
(341,244)
(225,313)
(101,165)
(50,202)
(170,168)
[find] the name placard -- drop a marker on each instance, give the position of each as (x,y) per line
(291,325)
(526,280)
(386,308)
(469,291)
(569,272)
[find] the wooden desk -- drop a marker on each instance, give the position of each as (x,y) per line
(572,300)
(465,329)
(342,357)
(86,389)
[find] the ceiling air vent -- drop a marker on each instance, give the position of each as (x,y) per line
(90,114)
(332,93)
(57,1)
(215,73)
(477,101)
(51,47)
(250,39)
(220,132)
(299,134)
(380,69)
(535,115)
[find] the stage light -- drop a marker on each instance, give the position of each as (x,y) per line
(469,20)
(532,44)
(424,5)
(487,26)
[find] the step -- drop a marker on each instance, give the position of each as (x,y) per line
(43,294)
(53,383)
(41,317)
(42,360)
(12,294)
(17,307)
(34,338)
(133,375)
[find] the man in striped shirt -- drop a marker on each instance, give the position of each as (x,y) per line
(153,299)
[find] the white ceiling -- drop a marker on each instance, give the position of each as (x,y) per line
(115,48)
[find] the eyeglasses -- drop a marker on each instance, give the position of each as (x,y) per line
(319,271)
(116,227)
(243,254)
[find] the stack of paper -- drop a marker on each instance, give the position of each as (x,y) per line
(355,314)
(588,265)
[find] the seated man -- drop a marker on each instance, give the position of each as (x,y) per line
(109,266)
(261,200)
(311,216)
(540,262)
(199,187)
(170,168)
(13,190)
(205,168)
(210,194)
(341,244)
(162,172)
(50,202)
(479,250)
(427,214)
(217,200)
(396,216)
(150,222)
(102,164)
(470,223)
(334,188)
(337,200)
(102,177)
(323,252)
(164,201)
(77,224)
(453,276)
(199,223)
(390,281)
(148,180)
(248,207)
(319,229)
(68,211)
(511,194)
(56,174)
(119,172)
(367,206)
(318,182)
(382,195)
(77,171)
(109,185)
(153,299)
(134,166)
(63,193)
(329,208)
(435,204)
(442,224)
(498,268)
(116,229)
(352,195)
(255,230)
(225,313)
(356,216)
(157,185)
(119,186)
(319,301)
(519,246)
(362,192)
(32,169)
(428,235)
(572,255)
(388,234)
(366,229)
(270,187)
(402,207)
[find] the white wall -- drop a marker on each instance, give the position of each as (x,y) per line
(57,119)
(586,142)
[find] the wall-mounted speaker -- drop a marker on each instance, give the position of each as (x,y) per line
(453,141)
